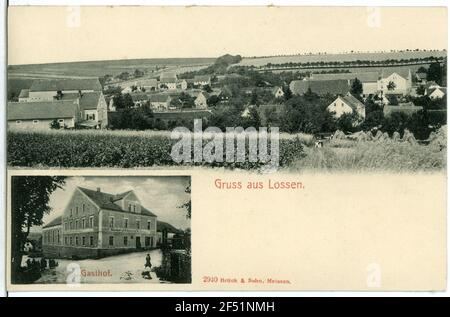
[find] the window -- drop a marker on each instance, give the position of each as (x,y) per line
(91,222)
(147,241)
(66,241)
(35,121)
(91,240)
(125,223)
(76,210)
(83,208)
(111,222)
(59,237)
(83,241)
(138,224)
(18,121)
(111,240)
(71,225)
(129,207)
(134,208)
(83,223)
(149,225)
(76,240)
(71,240)
(71,212)
(125,241)
(76,224)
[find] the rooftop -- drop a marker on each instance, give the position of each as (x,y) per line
(107,201)
(42,110)
(66,84)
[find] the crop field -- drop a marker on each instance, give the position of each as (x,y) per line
(376,155)
(146,149)
(101,68)
(120,149)
(261,61)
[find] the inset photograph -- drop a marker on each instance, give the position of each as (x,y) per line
(100,229)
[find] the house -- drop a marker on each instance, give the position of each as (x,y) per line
(225,95)
(201,102)
(278,92)
(369,80)
(395,83)
(96,224)
(421,77)
(202,80)
(168,81)
(93,110)
(160,102)
(347,104)
(48,89)
(39,115)
(437,93)
(24,95)
(139,99)
(320,87)
(165,233)
(183,84)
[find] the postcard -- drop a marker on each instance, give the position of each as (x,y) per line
(226,148)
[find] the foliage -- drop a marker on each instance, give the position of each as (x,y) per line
(94,148)
(29,203)
(357,87)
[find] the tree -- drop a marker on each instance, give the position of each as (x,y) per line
(347,122)
(55,124)
(435,73)
(138,73)
(357,87)
(374,119)
(207,88)
(391,85)
(287,92)
(128,101)
(420,90)
(29,203)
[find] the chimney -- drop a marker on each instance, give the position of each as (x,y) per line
(98,189)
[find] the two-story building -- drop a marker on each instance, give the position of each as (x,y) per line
(202,80)
(50,89)
(96,224)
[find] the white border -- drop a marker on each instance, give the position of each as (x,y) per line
(184,3)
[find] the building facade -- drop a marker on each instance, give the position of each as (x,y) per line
(96,224)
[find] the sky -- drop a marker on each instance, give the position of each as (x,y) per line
(63,34)
(162,195)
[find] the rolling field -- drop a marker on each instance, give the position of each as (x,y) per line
(101,68)
(261,61)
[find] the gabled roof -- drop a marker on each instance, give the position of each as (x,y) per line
(366,77)
(202,78)
(107,201)
(386,72)
(24,93)
(55,222)
(139,96)
(161,225)
(444,90)
(320,87)
(66,84)
(168,80)
(159,98)
(89,100)
(42,110)
(351,101)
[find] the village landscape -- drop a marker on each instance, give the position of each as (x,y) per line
(347,111)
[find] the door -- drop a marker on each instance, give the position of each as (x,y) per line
(138,242)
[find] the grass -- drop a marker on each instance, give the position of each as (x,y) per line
(345,155)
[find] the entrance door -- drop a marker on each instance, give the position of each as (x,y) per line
(138,242)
